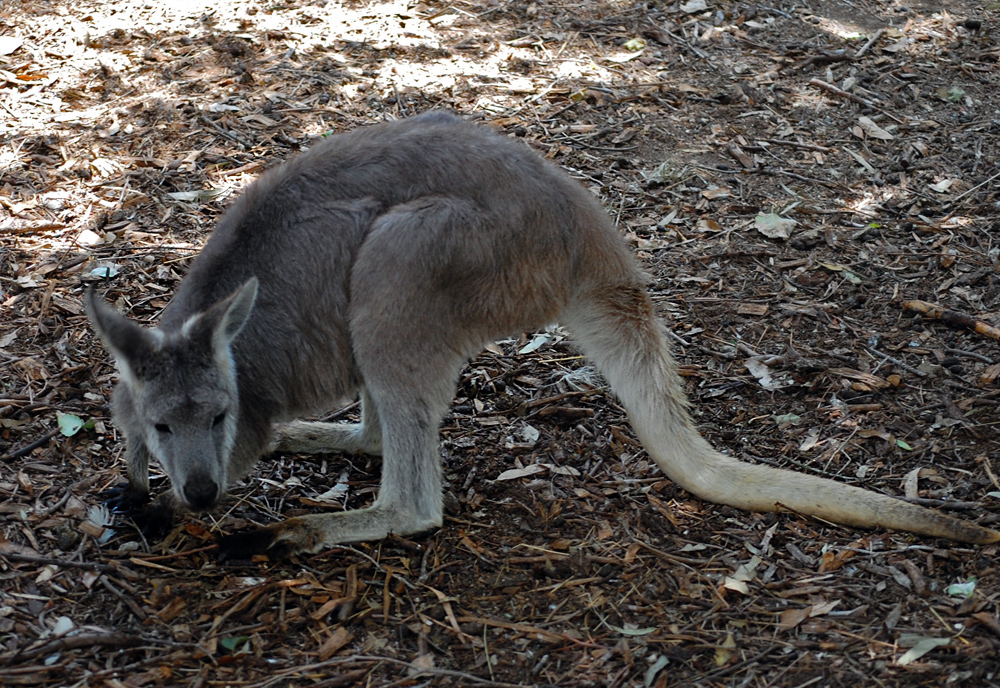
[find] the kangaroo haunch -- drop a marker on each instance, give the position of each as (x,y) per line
(377,264)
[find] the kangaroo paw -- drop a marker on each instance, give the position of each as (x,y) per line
(154,519)
(278,541)
(124,498)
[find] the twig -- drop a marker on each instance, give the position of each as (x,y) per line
(819,83)
(175,555)
(228,134)
(129,602)
(798,144)
(895,361)
(970,354)
(348,678)
(57,506)
(21,451)
(689,46)
(338,661)
(952,318)
(867,46)
(966,193)
(825,57)
(77,641)
(87,565)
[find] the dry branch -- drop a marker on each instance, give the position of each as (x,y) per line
(76,641)
(952,318)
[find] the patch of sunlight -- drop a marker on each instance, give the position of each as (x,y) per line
(849,31)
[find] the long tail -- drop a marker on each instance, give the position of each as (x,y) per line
(617,329)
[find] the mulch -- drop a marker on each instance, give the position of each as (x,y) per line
(813,190)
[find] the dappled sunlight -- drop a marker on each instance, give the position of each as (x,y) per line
(789,175)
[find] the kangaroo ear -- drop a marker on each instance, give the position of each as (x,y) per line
(128,342)
(238,310)
(222,322)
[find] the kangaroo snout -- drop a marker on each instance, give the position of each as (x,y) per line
(201,492)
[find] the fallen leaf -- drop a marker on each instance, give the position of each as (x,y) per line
(910,484)
(873,130)
(632,631)
(942,186)
(953,94)
(767,378)
(790,618)
(561,470)
(198,195)
(962,589)
(654,669)
(715,192)
(731,583)
(724,653)
(824,608)
(810,441)
(921,649)
(89,238)
(515,473)
(897,46)
(774,226)
(336,642)
(694,6)
(69,424)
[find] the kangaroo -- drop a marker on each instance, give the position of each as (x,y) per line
(378,263)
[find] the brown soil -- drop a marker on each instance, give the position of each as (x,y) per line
(688,123)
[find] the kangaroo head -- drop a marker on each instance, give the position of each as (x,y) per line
(180,397)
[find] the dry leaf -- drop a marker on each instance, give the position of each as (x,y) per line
(921,649)
(790,618)
(774,226)
(336,642)
(910,484)
(752,309)
(515,473)
(715,192)
(421,663)
(873,130)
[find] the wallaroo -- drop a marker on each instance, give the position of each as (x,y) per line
(378,263)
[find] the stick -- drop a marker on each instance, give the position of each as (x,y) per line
(952,318)
(28,447)
(869,44)
(73,642)
(841,93)
(86,565)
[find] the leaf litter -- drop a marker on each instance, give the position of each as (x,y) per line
(591,569)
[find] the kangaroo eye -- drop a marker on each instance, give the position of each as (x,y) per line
(162,428)
(217,421)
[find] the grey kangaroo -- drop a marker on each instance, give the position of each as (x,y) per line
(378,263)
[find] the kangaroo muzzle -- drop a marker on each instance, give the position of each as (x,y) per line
(201,492)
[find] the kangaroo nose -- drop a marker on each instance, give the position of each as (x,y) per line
(201,492)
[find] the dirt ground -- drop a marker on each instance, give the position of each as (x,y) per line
(790,176)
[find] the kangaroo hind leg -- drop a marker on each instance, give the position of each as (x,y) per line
(317,437)
(409,499)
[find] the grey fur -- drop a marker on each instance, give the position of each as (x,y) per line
(380,262)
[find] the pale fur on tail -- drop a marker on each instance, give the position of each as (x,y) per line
(617,330)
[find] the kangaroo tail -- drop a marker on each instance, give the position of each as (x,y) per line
(618,330)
